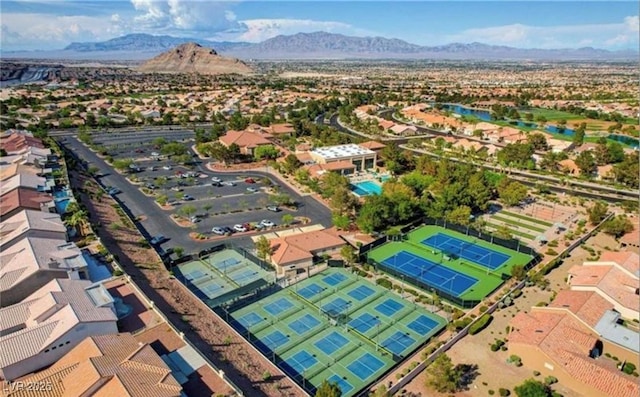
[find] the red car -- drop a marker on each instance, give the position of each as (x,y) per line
(249,180)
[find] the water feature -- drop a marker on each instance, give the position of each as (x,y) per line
(122,309)
(625,139)
(61,205)
(97,270)
(366,188)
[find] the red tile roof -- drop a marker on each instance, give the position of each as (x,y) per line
(302,246)
(588,306)
(22,198)
(243,139)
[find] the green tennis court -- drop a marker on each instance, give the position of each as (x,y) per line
(335,326)
(467,273)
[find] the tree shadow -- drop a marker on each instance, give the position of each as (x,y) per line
(468,373)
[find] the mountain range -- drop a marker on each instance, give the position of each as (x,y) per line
(323,45)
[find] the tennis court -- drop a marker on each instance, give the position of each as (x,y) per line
(443,261)
(430,273)
(335,326)
(464,249)
(222,276)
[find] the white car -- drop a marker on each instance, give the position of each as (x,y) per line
(217,230)
(228,183)
(252,190)
(239,228)
(167,167)
(216,179)
(267,223)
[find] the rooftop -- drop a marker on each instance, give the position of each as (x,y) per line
(341,151)
(23,198)
(29,327)
(29,220)
(609,328)
(302,246)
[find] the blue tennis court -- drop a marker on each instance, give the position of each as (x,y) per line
(274,340)
(249,320)
(276,307)
(430,273)
(389,307)
(194,275)
(344,386)
(422,325)
(467,250)
(365,366)
(364,322)
(398,343)
(310,291)
(331,343)
(335,307)
(361,292)
(334,279)
(304,324)
(226,264)
(301,361)
(245,277)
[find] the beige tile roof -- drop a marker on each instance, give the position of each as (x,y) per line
(22,198)
(27,221)
(373,145)
(610,280)
(302,246)
(111,365)
(47,315)
(588,306)
(567,342)
(243,139)
(630,261)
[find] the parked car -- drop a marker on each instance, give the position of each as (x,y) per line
(273,208)
(159,239)
(228,183)
(216,184)
(252,190)
(152,168)
(249,180)
(267,223)
(216,179)
(227,229)
(167,167)
(186,197)
(176,189)
(150,186)
(239,228)
(111,190)
(195,219)
(218,230)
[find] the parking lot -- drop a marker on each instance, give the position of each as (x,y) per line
(198,198)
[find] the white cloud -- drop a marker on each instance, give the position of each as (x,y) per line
(519,35)
(186,16)
(37,31)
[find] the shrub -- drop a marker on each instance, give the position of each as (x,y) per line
(536,373)
(491,392)
(483,309)
(551,252)
(266,376)
(549,380)
(480,324)
(629,368)
(504,392)
(516,294)
(383,282)
(117,273)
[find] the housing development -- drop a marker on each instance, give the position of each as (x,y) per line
(200,225)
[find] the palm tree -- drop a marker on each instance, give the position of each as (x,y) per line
(78,221)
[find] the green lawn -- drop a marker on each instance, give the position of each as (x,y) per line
(522,225)
(552,115)
(527,218)
(487,281)
(514,232)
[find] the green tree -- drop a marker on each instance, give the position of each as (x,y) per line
(503,232)
(349,254)
(187,210)
(122,164)
(328,389)
(340,221)
(291,164)
(265,152)
(263,248)
(578,136)
(597,212)
(517,155)
(343,201)
(442,375)
(627,172)
(332,181)
(511,192)
(618,226)
(287,219)
(532,388)
(173,149)
(460,215)
(538,141)
(586,163)
(373,214)
(518,272)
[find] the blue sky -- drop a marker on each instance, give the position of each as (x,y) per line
(33,24)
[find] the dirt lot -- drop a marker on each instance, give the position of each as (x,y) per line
(214,338)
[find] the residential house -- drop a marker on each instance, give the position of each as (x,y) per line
(404,130)
(605,172)
(27,179)
(50,322)
(281,129)
(16,141)
(386,124)
(108,365)
(30,223)
(295,253)
(21,198)
(342,167)
(246,141)
(569,167)
(32,262)
(564,340)
(615,276)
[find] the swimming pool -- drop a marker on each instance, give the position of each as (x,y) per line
(62,204)
(366,188)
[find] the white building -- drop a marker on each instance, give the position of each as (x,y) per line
(362,158)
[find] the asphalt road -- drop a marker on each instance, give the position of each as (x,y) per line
(157,221)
